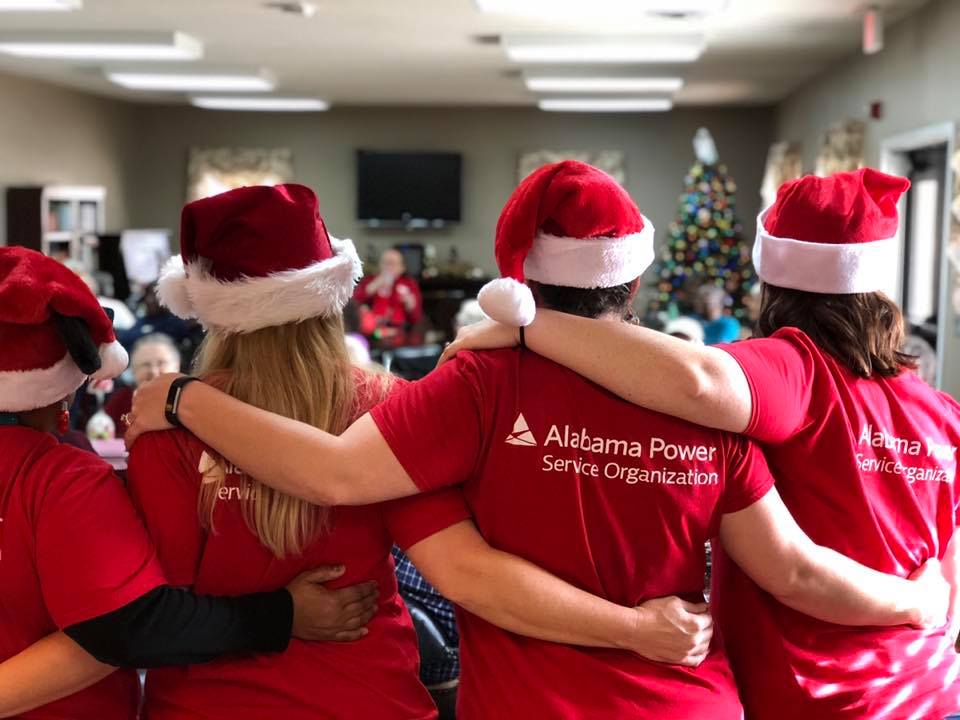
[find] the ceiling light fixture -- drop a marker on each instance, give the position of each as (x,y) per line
(305,9)
(606,105)
(581,49)
(206,80)
(612,84)
(102,46)
(260,104)
(40,5)
(600,8)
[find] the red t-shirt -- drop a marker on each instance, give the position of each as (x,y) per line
(376,677)
(71,548)
(867,467)
(392,309)
(593,489)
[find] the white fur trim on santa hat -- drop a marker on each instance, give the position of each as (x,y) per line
(113,361)
(23,390)
(508,302)
(825,268)
(591,262)
(172,288)
(253,303)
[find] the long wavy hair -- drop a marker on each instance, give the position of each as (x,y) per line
(301,371)
(865,332)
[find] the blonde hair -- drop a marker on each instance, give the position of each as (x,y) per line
(302,371)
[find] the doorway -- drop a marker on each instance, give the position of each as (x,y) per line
(924,240)
(921,287)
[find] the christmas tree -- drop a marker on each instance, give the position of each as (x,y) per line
(705,245)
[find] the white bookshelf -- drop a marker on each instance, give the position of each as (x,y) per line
(71,217)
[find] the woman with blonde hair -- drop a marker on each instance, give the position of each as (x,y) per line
(259,270)
(83,592)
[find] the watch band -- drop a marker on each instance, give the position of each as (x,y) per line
(173,399)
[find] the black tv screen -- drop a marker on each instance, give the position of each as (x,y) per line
(415,189)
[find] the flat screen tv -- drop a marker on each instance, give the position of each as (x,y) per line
(414,190)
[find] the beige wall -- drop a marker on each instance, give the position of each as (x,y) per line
(139,152)
(49,134)
(52,135)
(657,148)
(916,78)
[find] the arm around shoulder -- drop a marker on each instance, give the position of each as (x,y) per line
(648,368)
(358,467)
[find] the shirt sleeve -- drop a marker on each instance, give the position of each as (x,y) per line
(93,555)
(780,374)
(418,517)
(435,426)
(168,627)
(748,477)
(163,481)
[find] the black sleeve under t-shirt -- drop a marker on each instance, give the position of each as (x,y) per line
(169,626)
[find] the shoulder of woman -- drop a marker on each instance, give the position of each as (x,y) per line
(64,457)
(372,387)
(175,447)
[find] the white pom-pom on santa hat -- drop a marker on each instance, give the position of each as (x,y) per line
(567,224)
(113,361)
(508,302)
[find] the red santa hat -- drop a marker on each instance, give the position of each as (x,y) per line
(53,332)
(256,257)
(834,235)
(566,224)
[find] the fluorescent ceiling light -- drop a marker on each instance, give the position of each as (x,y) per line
(264,104)
(606,104)
(597,9)
(102,46)
(547,83)
(192,80)
(579,49)
(39,5)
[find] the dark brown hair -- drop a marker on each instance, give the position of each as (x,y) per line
(865,332)
(588,303)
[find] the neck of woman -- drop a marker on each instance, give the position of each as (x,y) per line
(42,419)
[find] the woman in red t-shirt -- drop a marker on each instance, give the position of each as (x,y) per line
(865,454)
(391,298)
(261,273)
(75,556)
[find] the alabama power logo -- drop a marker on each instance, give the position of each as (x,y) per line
(213,471)
(521,434)
(656,460)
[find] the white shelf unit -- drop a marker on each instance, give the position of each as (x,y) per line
(71,217)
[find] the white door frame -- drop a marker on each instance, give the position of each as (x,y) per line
(892,160)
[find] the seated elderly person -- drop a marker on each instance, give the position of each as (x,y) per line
(710,303)
(391,298)
(153,355)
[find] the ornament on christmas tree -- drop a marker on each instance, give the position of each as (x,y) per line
(705,243)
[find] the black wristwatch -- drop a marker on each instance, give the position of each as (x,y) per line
(173,399)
